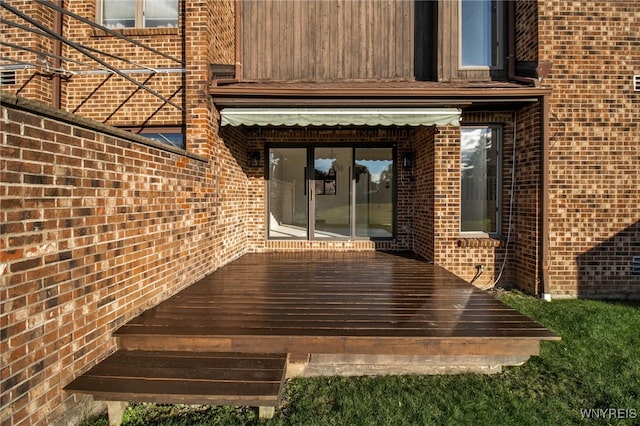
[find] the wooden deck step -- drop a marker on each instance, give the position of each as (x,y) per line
(211,378)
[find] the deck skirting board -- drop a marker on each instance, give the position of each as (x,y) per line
(345,345)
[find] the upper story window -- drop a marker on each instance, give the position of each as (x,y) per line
(481,180)
(481,28)
(117,14)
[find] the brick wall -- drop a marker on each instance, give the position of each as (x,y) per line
(424,201)
(209,37)
(526,48)
(526,235)
(110,98)
(30,83)
(233,197)
(95,228)
(594,157)
(446,211)
(437,204)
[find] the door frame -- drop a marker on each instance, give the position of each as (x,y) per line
(310,149)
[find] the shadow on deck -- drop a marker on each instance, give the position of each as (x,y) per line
(276,315)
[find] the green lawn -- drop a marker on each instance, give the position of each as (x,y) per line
(595,366)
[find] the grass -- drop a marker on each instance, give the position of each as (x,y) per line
(595,366)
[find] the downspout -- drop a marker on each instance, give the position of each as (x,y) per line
(544,289)
(238,30)
(56,82)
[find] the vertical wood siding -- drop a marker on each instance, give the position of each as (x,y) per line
(327,39)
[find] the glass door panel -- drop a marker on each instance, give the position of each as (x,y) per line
(374,192)
(331,197)
(288,205)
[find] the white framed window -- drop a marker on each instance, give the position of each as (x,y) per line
(481,34)
(118,14)
(481,180)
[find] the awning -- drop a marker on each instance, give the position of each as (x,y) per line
(340,117)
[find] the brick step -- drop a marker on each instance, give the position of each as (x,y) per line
(180,377)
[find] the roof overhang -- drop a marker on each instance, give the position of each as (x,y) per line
(383,95)
(340,116)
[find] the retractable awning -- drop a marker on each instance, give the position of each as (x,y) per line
(340,117)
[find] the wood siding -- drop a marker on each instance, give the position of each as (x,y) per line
(327,40)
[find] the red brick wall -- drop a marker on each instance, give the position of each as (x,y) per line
(95,228)
(595,184)
(424,202)
(526,220)
(31,83)
(110,98)
(526,30)
(208,40)
(209,37)
(234,219)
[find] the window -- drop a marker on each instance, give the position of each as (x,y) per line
(481,33)
(331,192)
(175,139)
(481,181)
(169,135)
(138,13)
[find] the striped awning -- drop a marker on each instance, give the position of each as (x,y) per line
(340,117)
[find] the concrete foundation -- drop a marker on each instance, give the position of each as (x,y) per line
(84,407)
(379,365)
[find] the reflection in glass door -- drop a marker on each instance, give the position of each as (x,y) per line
(331,192)
(331,196)
(288,193)
(374,184)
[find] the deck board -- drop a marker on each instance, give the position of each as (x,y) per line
(289,299)
(186,377)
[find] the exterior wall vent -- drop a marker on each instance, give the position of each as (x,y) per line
(636,83)
(7,77)
(635,265)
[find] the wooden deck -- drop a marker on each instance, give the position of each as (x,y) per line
(339,309)
(353,302)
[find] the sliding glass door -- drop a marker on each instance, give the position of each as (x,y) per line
(329,192)
(374,186)
(288,188)
(330,196)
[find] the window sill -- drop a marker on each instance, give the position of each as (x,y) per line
(139,32)
(472,242)
(475,68)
